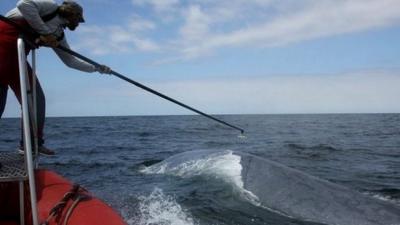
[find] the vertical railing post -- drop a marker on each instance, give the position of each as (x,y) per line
(21,203)
(34,109)
(26,128)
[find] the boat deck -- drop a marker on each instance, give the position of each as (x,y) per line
(12,167)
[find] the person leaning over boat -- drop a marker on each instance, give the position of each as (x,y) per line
(48,20)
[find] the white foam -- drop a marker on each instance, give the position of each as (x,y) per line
(158,208)
(221,165)
(384,198)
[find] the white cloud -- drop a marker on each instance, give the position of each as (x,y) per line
(139,24)
(194,28)
(113,39)
(158,5)
(359,92)
(363,92)
(316,19)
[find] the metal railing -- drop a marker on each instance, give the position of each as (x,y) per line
(28,117)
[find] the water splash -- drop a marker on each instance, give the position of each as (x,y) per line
(242,136)
(384,197)
(222,165)
(161,209)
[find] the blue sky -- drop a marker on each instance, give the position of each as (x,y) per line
(229,57)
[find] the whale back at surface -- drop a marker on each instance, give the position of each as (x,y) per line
(300,195)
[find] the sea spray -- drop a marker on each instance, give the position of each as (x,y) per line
(223,165)
(159,208)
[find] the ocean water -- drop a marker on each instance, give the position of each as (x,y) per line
(123,160)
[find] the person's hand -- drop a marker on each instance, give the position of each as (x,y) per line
(49,40)
(103,69)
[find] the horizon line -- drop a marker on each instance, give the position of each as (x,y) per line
(224,114)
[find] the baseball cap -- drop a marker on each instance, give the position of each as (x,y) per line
(76,8)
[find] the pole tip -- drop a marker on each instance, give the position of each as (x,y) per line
(241,135)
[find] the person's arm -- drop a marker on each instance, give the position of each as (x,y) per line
(31,11)
(72,61)
(75,63)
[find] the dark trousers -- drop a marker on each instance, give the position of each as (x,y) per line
(40,106)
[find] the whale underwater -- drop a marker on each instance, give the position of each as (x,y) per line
(283,190)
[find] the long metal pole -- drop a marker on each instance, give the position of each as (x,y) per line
(27,131)
(69,51)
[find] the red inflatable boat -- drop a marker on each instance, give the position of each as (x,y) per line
(59,202)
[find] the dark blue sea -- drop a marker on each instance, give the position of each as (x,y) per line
(114,158)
